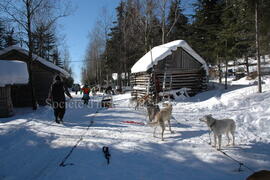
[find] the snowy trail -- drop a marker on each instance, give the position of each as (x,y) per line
(32,145)
(134,149)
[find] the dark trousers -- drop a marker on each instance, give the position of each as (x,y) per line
(59,110)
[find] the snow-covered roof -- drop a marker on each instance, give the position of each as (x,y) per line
(36,58)
(160,52)
(13,72)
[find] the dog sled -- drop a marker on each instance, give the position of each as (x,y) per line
(107,102)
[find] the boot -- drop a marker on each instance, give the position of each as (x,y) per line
(57,121)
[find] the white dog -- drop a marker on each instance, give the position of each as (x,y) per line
(162,117)
(219,127)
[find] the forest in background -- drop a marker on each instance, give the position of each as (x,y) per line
(219,30)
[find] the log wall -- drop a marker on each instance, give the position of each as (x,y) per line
(6,107)
(196,80)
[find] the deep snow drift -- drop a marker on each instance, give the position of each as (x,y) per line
(32,146)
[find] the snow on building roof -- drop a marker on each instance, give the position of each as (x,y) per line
(36,58)
(13,72)
(160,52)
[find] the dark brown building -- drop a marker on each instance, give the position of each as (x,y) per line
(43,73)
(170,66)
(11,73)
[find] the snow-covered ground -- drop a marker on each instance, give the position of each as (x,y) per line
(239,66)
(32,146)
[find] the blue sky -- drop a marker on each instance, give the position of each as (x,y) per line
(77,26)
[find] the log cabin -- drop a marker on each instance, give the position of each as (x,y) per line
(43,73)
(167,67)
(11,73)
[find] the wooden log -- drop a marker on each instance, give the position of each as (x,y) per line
(6,106)
(193,78)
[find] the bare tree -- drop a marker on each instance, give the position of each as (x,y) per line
(146,21)
(93,61)
(176,17)
(105,22)
(163,9)
(66,59)
(25,13)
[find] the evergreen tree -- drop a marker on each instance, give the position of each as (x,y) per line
(114,44)
(260,22)
(56,58)
(264,14)
(155,32)
(50,45)
(44,41)
(177,22)
(238,29)
(133,35)
(206,25)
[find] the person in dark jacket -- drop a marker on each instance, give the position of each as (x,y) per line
(109,90)
(57,96)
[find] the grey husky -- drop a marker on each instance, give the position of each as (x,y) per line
(162,117)
(219,127)
(152,110)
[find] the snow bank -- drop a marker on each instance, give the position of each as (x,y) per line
(239,65)
(36,58)
(160,52)
(13,72)
(244,81)
(242,103)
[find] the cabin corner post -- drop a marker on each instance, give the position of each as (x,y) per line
(204,80)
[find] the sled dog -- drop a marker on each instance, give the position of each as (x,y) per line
(140,101)
(219,127)
(152,110)
(133,102)
(162,117)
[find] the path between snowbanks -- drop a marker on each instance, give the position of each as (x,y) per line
(32,145)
